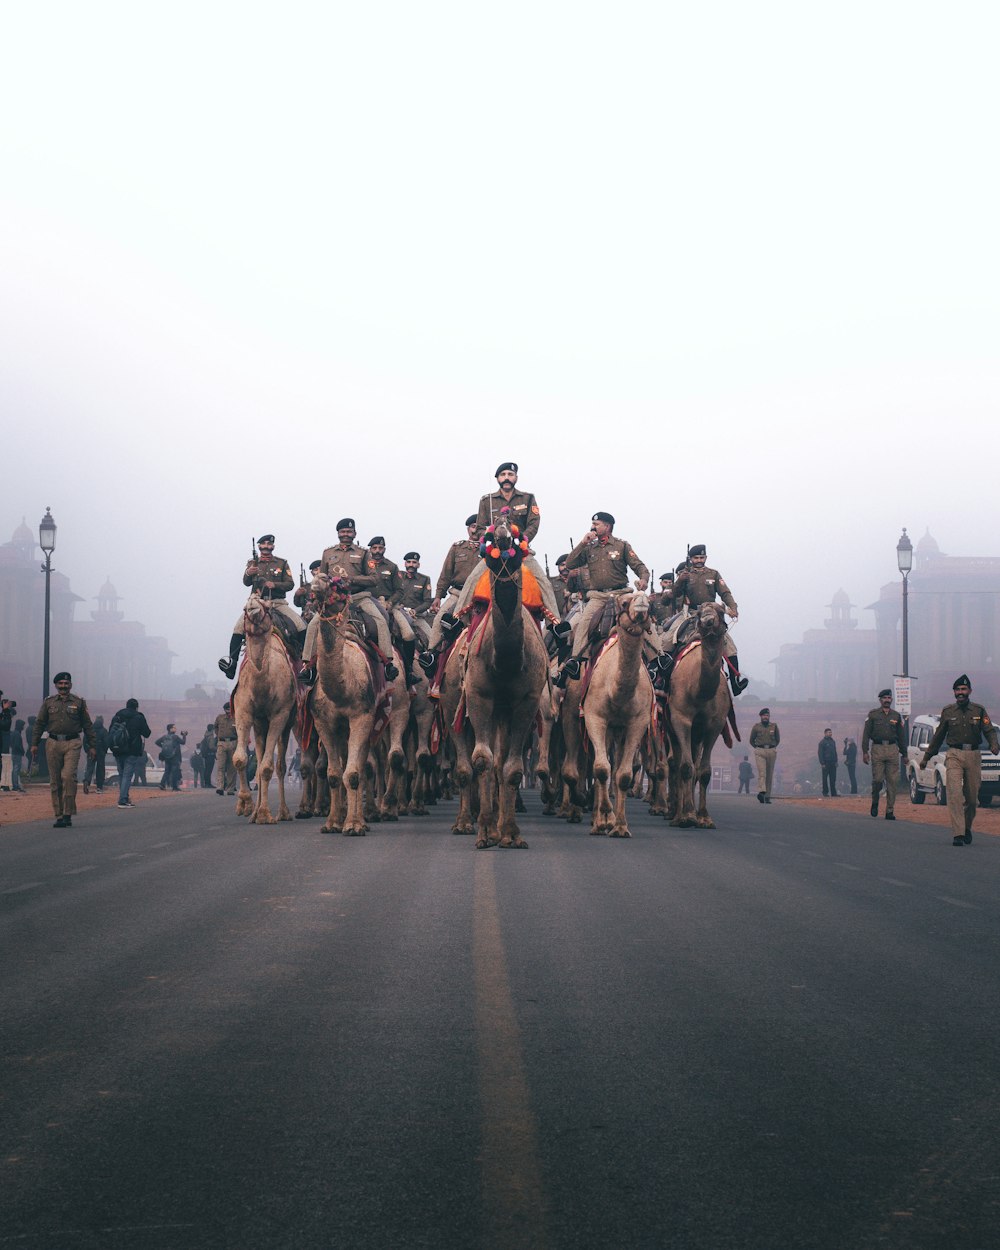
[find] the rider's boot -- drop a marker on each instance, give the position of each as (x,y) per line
(659,670)
(228,663)
(406,650)
(570,669)
(428,661)
(736,682)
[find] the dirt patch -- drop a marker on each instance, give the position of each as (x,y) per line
(929,813)
(36,802)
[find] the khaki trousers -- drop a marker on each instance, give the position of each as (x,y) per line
(765,757)
(224,763)
(885,767)
(448,604)
(63,759)
(403,624)
(963,773)
(594,606)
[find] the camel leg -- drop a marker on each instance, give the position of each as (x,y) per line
(335,747)
(283,812)
(604,817)
(354,771)
(484,769)
(704,770)
(683,773)
(244,799)
(265,737)
(624,777)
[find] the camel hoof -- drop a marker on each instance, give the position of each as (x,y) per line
(463,829)
(686,822)
(303,815)
(705,823)
(355,831)
(621,833)
(598,833)
(482,844)
(389,817)
(575,817)
(330,829)
(259,818)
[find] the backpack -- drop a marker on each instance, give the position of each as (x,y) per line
(118,737)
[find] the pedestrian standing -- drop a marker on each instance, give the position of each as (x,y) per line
(170,745)
(95,770)
(225,736)
(827,753)
(209,744)
(17,755)
(65,717)
(8,709)
(851,762)
(129,747)
(962,727)
(198,767)
(746,776)
(883,733)
(764,738)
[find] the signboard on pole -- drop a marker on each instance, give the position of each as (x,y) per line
(901,695)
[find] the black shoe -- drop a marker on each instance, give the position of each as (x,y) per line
(889,816)
(307,675)
(968,837)
(60,822)
(761,797)
(562,629)
(228,667)
(428,661)
(874,807)
(958,841)
(767,798)
(391,671)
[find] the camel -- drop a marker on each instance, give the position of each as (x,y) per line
(617,712)
(343,704)
(462,740)
(506,668)
(265,701)
(698,709)
(419,758)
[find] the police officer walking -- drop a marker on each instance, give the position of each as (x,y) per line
(764,738)
(66,717)
(963,726)
(225,734)
(883,732)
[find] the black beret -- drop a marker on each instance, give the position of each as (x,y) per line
(377,539)
(412,555)
(61,677)
(471,520)
(764,711)
(883,693)
(698,550)
(666,577)
(961,681)
(682,566)
(562,559)
(346,523)
(606,517)
(507,464)
(315,565)
(266,538)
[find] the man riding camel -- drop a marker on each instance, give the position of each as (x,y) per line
(269,577)
(387,586)
(696,584)
(462,558)
(349,561)
(524,513)
(607,560)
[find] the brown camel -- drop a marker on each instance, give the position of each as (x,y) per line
(505,674)
(264,701)
(461,740)
(698,708)
(343,704)
(617,712)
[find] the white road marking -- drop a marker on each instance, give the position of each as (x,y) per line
(129,855)
(849,867)
(906,885)
(957,902)
(72,872)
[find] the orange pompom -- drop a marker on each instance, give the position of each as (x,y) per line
(495,553)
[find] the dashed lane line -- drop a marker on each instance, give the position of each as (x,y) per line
(73,872)
(957,902)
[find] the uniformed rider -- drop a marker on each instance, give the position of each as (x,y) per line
(696,584)
(270,578)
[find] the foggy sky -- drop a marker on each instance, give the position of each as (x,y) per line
(728,272)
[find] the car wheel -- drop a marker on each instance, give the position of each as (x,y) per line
(940,792)
(916,794)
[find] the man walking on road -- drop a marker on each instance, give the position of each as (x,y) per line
(883,733)
(963,726)
(827,752)
(65,716)
(764,738)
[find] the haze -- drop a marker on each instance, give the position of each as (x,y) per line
(729,272)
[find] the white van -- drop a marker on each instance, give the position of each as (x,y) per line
(931,780)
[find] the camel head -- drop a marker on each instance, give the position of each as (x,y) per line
(632,613)
(711,622)
(331,593)
(503,549)
(257,617)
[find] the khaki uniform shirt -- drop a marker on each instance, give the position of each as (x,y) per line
(461,559)
(960,726)
(883,728)
(386,576)
(606,563)
(697,586)
(270,569)
(661,606)
(64,715)
(523,512)
(225,727)
(762,735)
(349,562)
(414,592)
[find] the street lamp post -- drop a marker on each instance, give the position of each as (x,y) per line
(47,542)
(904,562)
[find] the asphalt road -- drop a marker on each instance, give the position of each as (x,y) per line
(779,1034)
